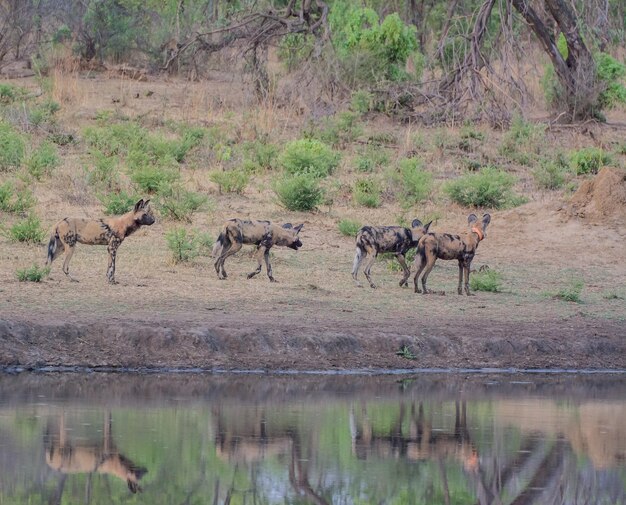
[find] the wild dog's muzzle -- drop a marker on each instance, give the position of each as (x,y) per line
(296,245)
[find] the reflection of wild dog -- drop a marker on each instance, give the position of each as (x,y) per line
(110,232)
(371,240)
(83,457)
(450,247)
(263,234)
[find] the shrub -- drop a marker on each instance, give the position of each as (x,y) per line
(610,72)
(348,227)
(43,160)
(186,245)
(308,156)
(13,201)
(177,203)
(9,93)
(28,230)
(32,274)
(341,129)
(150,179)
(551,174)
(11,147)
(416,182)
(299,192)
(490,187)
(522,135)
(367,193)
(295,48)
(231,181)
(362,101)
(259,155)
(104,174)
(371,158)
(588,160)
(486,280)
(116,204)
(571,292)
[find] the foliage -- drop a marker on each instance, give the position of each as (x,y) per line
(571,292)
(340,129)
(175,202)
(16,202)
(10,93)
(149,178)
(406,352)
(308,156)
(410,181)
(588,160)
(43,160)
(11,147)
(295,48)
(362,101)
(299,191)
(186,245)
(490,187)
(610,73)
(32,274)
(486,280)
(231,181)
(371,158)
(551,173)
(27,230)
(521,138)
(116,204)
(259,155)
(348,227)
(367,193)
(104,174)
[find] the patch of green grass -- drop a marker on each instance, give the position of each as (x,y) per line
(116,204)
(371,158)
(27,230)
(185,245)
(10,93)
(366,193)
(612,296)
(43,160)
(551,173)
(11,147)
(308,156)
(231,181)
(410,181)
(259,155)
(299,192)
(340,129)
(175,202)
(406,352)
(348,227)
(490,188)
(149,178)
(32,274)
(588,160)
(104,174)
(15,202)
(571,292)
(486,280)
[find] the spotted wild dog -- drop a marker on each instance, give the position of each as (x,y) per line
(109,231)
(371,240)
(433,246)
(77,455)
(263,234)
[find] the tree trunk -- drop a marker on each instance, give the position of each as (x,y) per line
(576,74)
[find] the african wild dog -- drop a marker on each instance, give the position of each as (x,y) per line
(371,240)
(450,247)
(110,232)
(78,455)
(263,234)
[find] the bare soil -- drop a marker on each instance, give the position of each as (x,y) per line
(314,318)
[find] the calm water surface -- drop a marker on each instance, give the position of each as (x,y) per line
(233,439)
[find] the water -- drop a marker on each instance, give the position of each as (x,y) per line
(257,439)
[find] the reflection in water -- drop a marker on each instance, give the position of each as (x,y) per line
(431,439)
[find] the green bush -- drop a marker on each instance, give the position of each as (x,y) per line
(28,230)
(486,280)
(522,136)
(32,274)
(299,191)
(551,174)
(149,179)
(104,174)
(308,156)
(42,113)
(410,181)
(571,292)
(348,227)
(11,147)
(16,202)
(340,129)
(43,160)
(367,193)
(610,73)
(231,181)
(371,158)
(295,48)
(10,94)
(116,204)
(259,155)
(175,202)
(588,160)
(185,245)
(491,187)
(362,101)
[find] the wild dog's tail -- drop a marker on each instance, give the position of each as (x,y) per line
(219,245)
(53,246)
(358,255)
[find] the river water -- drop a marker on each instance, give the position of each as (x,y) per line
(313,439)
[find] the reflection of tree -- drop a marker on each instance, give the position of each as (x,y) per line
(76,456)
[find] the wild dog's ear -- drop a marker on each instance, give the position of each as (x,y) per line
(145,204)
(426,226)
(416,223)
(139,205)
(287,226)
(471,219)
(298,228)
(486,221)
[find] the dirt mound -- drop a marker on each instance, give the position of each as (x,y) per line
(602,197)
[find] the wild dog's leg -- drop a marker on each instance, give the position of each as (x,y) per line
(69,251)
(430,263)
(358,259)
(420,263)
(405,269)
(369,261)
(467,274)
(260,250)
(114,243)
(460,288)
(234,248)
(269,265)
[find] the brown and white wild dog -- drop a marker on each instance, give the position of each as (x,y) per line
(371,240)
(263,234)
(109,231)
(450,247)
